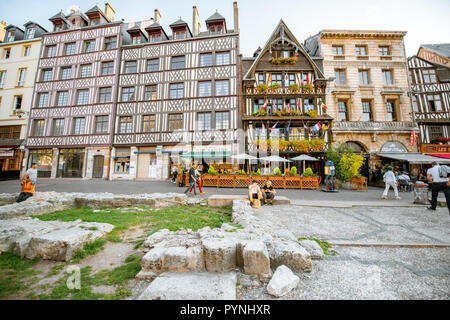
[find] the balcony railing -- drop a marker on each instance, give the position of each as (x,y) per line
(373,126)
(285,91)
(435,116)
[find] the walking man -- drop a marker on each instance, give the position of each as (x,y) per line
(438,177)
(175,173)
(198,180)
(191,180)
(391,181)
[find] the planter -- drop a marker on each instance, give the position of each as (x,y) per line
(293,182)
(278,182)
(261,180)
(346,186)
(242,181)
(226,181)
(310,183)
(210,181)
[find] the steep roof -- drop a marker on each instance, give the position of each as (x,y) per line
(442,49)
(179,22)
(96,9)
(215,16)
(59,15)
(282,27)
(34,23)
(79,13)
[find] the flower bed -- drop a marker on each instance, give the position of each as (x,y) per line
(305,146)
(279,182)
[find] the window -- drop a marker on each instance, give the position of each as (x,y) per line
(61,98)
(178,62)
(66,73)
(435,132)
(69,48)
(104,95)
(38,128)
(177,35)
(363,77)
(204,89)
(83,97)
(176,90)
(89,46)
(101,124)
(308,105)
(261,78)
(296,134)
(6,53)
(384,51)
(2,79)
(387,77)
(130,67)
(11,36)
(78,125)
(205,59)
(26,51)
(50,51)
(156,37)
(429,76)
(47,75)
(58,127)
(148,123)
(222,87)
(125,124)
(277,78)
(338,50)
(42,99)
(175,121)
(367,111)
(434,102)
(110,43)
(361,51)
(222,58)
(127,94)
(342,111)
(30,33)
(107,68)
(95,21)
(415,105)
(150,92)
(152,65)
(17,103)
(290,79)
(85,70)
(340,76)
(214,30)
(390,105)
(277,105)
(136,40)
(204,121)
(21,80)
(222,120)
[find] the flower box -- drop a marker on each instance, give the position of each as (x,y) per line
(292,182)
(226,181)
(210,181)
(310,183)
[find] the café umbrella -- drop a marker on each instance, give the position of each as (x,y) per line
(244,156)
(274,159)
(304,157)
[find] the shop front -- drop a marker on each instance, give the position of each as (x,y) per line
(70,163)
(44,160)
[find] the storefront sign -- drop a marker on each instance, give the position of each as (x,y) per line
(158,151)
(7,153)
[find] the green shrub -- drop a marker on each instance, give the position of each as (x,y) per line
(293,172)
(349,166)
(308,173)
(211,171)
(277,172)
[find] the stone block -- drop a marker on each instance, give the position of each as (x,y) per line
(219,254)
(256,258)
(290,254)
(282,282)
(313,248)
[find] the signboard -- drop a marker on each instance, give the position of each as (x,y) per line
(329,168)
(7,153)
(158,151)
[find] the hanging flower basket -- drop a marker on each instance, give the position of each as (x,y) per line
(281,60)
(294,88)
(308,88)
(262,88)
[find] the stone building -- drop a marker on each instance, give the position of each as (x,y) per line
(369,96)
(19,50)
(72,110)
(430,89)
(178,96)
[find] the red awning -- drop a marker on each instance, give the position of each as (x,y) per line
(440,155)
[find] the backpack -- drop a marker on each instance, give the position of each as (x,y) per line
(444,171)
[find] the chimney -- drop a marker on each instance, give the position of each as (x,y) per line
(236,16)
(2,31)
(109,12)
(157,17)
(195,22)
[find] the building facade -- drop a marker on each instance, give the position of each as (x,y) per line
(430,89)
(284,109)
(438,53)
(73,106)
(19,51)
(369,96)
(178,97)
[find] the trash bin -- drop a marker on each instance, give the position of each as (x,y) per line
(421,193)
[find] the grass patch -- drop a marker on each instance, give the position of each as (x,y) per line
(55,270)
(90,248)
(326,247)
(15,273)
(173,218)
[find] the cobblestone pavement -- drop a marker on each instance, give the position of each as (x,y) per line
(369,272)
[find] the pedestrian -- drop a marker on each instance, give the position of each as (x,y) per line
(255,195)
(192,180)
(32,172)
(268,193)
(390,181)
(28,187)
(198,180)
(438,177)
(174,173)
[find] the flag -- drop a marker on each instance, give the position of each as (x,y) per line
(296,51)
(298,106)
(289,125)
(270,49)
(289,107)
(323,106)
(269,81)
(265,105)
(274,126)
(263,128)
(284,106)
(317,127)
(307,78)
(286,80)
(413,138)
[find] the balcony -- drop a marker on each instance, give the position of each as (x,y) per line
(374,126)
(306,90)
(432,116)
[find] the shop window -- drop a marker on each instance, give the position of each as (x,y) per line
(44,160)
(122,161)
(70,163)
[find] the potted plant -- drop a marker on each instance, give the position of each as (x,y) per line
(274,86)
(308,88)
(260,113)
(262,88)
(312,113)
(294,88)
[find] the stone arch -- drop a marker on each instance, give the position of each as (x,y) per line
(357,146)
(393,146)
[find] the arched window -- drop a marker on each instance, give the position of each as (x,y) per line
(393,146)
(357,147)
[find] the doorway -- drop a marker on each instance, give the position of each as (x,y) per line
(97,172)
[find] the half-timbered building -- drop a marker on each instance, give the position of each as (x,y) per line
(284,109)
(178,96)
(430,90)
(72,112)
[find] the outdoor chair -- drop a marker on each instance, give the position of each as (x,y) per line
(403,185)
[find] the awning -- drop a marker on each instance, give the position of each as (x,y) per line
(207,155)
(440,155)
(412,157)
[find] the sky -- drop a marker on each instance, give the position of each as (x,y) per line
(426,21)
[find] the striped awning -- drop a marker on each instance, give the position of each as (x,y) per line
(207,155)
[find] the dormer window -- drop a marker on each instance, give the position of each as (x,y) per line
(156,37)
(136,39)
(181,34)
(95,21)
(215,30)
(58,27)
(30,33)
(11,36)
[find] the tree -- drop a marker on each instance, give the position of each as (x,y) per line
(349,166)
(335,154)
